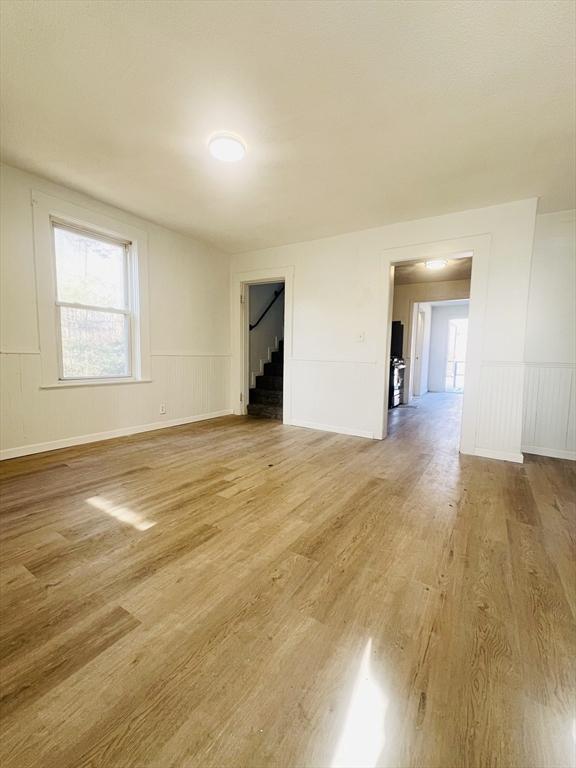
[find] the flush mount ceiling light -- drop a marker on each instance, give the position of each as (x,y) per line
(436,264)
(226,147)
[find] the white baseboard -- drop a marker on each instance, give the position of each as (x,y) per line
(487,453)
(554,453)
(68,442)
(329,428)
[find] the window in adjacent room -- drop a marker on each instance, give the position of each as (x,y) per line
(456,358)
(93,304)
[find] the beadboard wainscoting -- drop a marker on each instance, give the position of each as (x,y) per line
(192,387)
(499,410)
(550,410)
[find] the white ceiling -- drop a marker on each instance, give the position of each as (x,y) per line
(356,114)
(417,272)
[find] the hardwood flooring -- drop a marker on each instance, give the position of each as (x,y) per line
(238,593)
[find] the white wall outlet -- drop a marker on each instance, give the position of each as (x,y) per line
(162,408)
(361,337)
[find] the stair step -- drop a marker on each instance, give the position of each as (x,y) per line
(262,411)
(278,357)
(266,396)
(270,382)
(273,369)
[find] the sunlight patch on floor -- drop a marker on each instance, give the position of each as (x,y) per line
(363,737)
(123,514)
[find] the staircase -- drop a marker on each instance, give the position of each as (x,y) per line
(265,399)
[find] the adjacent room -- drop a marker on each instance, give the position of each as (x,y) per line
(428,345)
(287,384)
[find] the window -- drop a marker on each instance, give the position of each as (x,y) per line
(93,301)
(456,362)
(92,288)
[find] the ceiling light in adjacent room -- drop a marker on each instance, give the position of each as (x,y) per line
(227,147)
(436,264)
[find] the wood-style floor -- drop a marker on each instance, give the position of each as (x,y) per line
(238,593)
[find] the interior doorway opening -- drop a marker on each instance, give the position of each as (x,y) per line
(429,341)
(263,321)
(456,355)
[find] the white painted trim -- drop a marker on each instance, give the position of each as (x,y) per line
(95,437)
(44,209)
(330,428)
(239,375)
(550,365)
(174,353)
(70,384)
(486,453)
(186,353)
(480,245)
(553,453)
(341,360)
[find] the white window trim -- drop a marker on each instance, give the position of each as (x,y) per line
(47,209)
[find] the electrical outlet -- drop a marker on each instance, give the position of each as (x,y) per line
(162,408)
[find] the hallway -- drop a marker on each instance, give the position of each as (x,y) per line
(247,594)
(431,420)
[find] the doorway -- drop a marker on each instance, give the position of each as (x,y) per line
(240,359)
(421,349)
(430,303)
(264,321)
(456,362)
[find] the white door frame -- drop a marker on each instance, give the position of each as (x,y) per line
(415,378)
(479,245)
(240,373)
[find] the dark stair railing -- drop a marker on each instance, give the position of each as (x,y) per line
(277,293)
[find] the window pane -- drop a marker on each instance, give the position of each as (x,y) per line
(89,271)
(94,343)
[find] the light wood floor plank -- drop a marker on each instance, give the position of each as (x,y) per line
(243,594)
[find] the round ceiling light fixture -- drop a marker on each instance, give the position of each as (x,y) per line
(226,147)
(436,264)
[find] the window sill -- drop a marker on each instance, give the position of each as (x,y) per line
(94,383)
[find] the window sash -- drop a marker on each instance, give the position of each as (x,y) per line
(129,345)
(93,307)
(126,246)
(86,231)
(127,310)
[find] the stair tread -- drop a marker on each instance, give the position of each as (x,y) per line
(263,411)
(267,396)
(269,382)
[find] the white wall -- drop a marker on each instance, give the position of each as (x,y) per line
(441,317)
(550,404)
(189,330)
(337,358)
(409,294)
(337,354)
(270,328)
(405,296)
